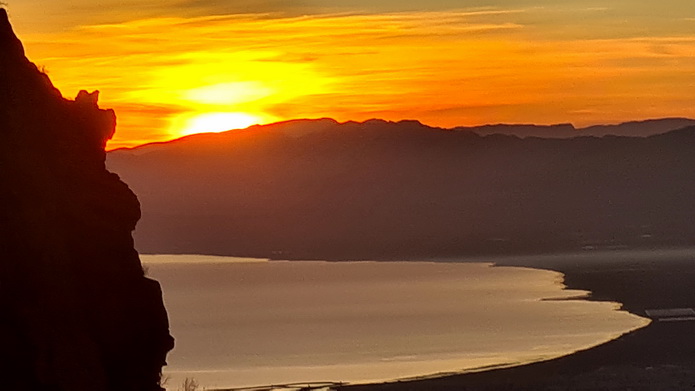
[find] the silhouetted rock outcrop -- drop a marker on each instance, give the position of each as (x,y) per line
(76,311)
(320,189)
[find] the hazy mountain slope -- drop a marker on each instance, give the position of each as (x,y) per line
(629,129)
(378,189)
(638,128)
(525,130)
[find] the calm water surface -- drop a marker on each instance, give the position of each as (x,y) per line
(241,322)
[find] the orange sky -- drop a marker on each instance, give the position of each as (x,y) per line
(169,76)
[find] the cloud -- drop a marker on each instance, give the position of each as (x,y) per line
(225,7)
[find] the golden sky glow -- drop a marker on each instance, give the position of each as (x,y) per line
(167,77)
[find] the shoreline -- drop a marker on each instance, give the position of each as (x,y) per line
(655,357)
(605,280)
(539,285)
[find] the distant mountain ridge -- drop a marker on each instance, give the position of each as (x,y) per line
(378,189)
(645,128)
(626,129)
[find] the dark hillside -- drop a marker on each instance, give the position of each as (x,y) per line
(379,189)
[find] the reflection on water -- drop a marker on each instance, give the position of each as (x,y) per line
(242,323)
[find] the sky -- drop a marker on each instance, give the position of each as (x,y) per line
(171,68)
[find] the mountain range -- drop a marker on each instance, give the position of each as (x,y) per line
(628,129)
(321,189)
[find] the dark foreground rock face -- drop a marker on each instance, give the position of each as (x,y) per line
(76,311)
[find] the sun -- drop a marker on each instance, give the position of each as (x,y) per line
(216,122)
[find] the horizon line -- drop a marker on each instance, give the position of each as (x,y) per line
(458,127)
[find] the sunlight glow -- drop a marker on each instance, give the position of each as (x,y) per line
(229,93)
(218,122)
(167,77)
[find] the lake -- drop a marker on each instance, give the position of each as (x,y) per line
(249,322)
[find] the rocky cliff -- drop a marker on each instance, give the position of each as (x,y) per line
(77,312)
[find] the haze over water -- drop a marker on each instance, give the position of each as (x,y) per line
(253,322)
